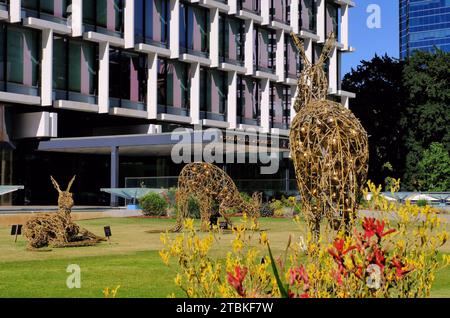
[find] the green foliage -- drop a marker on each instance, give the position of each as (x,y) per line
(433,170)
(422,203)
(246,197)
(193,208)
(153,205)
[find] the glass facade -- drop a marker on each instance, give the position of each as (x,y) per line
(194,29)
(151,22)
(308,9)
(104,16)
(292,62)
(281,11)
(424,24)
(231,40)
(249,101)
(280,106)
(265,48)
(253,6)
(213,94)
(52,10)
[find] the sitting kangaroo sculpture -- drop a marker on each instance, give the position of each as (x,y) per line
(329,148)
(58,230)
(207,183)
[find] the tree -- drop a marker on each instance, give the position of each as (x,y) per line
(433,170)
(427,117)
(380,105)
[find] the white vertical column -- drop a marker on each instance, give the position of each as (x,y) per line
(344,26)
(339,68)
(152,86)
(265,11)
(321,6)
(174,29)
(214,37)
(249,46)
(15,11)
(103,78)
(280,56)
(295,14)
(294,93)
(47,68)
(77,18)
(195,93)
(232,100)
(345,101)
(333,71)
(233,6)
(265,105)
(129,24)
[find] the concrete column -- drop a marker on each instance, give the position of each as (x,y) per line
(265,11)
(103,78)
(233,6)
(214,37)
(279,63)
(114,173)
(265,105)
(47,68)
(152,86)
(174,27)
(345,101)
(295,14)
(232,100)
(129,24)
(344,26)
(15,11)
(249,46)
(76,19)
(333,71)
(195,93)
(321,7)
(294,92)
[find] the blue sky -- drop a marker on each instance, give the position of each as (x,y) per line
(369,41)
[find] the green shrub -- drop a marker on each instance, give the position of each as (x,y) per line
(193,208)
(153,204)
(422,203)
(247,198)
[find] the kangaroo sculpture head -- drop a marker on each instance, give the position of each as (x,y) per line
(65,198)
(312,82)
(253,208)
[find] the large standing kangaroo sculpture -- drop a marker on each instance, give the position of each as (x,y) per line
(58,230)
(329,149)
(208,183)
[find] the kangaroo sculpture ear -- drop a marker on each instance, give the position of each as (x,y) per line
(70,184)
(257,197)
(301,49)
(55,184)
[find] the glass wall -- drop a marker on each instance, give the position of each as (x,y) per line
(213,94)
(231,40)
(75,65)
(264,56)
(104,16)
(173,87)
(127,79)
(53,10)
(249,101)
(292,62)
(332,18)
(253,6)
(151,22)
(280,11)
(280,105)
(194,30)
(19,59)
(308,15)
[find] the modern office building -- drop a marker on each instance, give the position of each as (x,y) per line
(94,87)
(424,25)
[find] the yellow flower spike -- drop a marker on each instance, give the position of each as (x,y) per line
(164,256)
(264,240)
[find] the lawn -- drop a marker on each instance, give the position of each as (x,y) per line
(130,260)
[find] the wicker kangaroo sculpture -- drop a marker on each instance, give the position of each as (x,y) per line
(58,230)
(329,149)
(208,183)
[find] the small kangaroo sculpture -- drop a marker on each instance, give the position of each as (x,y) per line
(208,183)
(58,230)
(329,148)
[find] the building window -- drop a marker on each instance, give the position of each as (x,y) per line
(280,11)
(292,62)
(264,56)
(194,30)
(316,56)
(308,9)
(173,87)
(332,18)
(152,22)
(105,16)
(253,6)
(127,79)
(249,101)
(19,59)
(75,65)
(231,40)
(53,10)
(213,94)
(280,102)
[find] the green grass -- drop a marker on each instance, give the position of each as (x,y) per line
(130,260)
